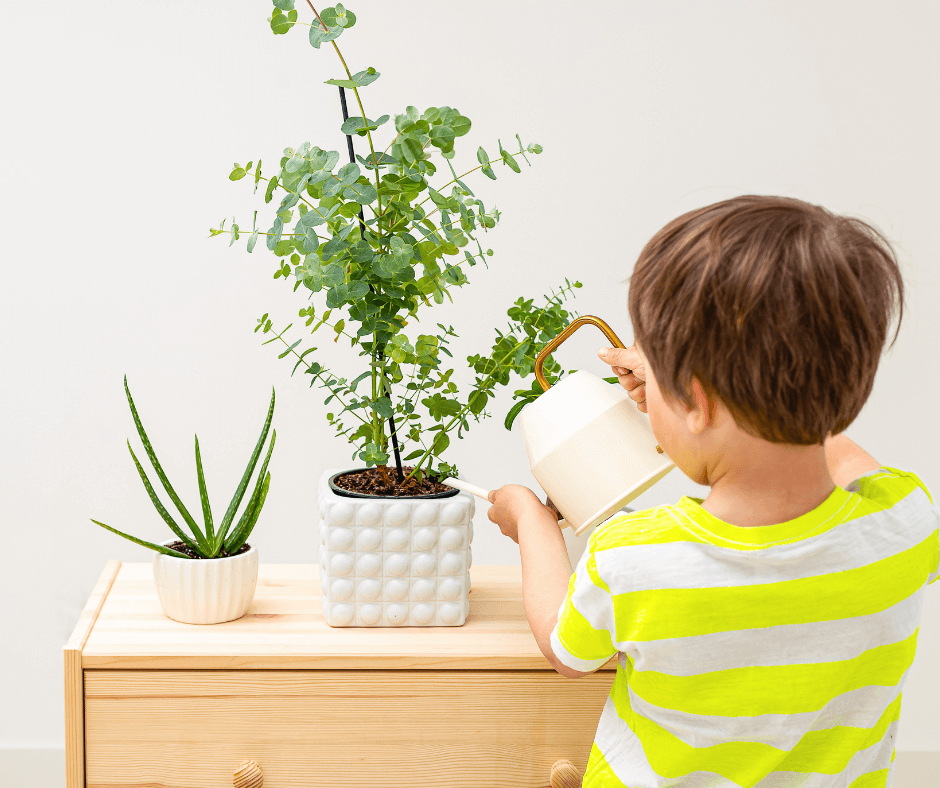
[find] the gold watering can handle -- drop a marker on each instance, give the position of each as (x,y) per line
(581,321)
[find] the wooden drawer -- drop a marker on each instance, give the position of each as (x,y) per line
(326,728)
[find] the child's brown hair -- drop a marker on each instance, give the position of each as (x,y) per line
(779,308)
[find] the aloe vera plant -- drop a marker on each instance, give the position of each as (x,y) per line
(209,541)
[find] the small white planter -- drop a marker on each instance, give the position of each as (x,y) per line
(388,562)
(206,591)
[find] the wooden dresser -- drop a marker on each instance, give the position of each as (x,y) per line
(152,703)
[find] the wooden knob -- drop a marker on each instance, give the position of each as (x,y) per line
(565,775)
(249,775)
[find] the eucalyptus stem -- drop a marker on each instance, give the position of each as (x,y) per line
(359,102)
(456,419)
(478,167)
(324,383)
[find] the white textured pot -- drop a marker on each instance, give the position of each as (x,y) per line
(206,591)
(394,561)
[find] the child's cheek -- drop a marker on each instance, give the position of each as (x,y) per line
(668,429)
(660,422)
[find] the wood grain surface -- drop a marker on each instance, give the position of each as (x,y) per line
(285,629)
(74,691)
(421,729)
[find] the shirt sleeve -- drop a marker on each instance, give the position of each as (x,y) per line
(888,486)
(932,577)
(585,636)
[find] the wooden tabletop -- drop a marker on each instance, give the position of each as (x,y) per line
(285,629)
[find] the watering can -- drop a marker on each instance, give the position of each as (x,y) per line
(589,446)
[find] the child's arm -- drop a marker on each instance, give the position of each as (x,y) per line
(846,460)
(545,565)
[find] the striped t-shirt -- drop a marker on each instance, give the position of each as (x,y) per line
(770,656)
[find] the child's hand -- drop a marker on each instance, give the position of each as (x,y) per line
(511,503)
(630,371)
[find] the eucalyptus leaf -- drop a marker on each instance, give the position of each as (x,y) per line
(269,192)
(460,125)
(361,126)
(508,160)
(366,77)
(297,160)
(346,230)
(333,247)
(317,216)
(333,275)
(344,16)
(362,193)
(346,175)
(514,411)
(442,136)
(381,159)
(310,274)
(320,36)
(383,406)
(280,23)
(311,240)
(274,234)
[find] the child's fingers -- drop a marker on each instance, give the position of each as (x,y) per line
(628,357)
(628,381)
(638,395)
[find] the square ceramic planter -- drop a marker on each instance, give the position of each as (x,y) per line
(392,562)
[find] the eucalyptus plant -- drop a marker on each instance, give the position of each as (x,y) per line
(380,242)
(209,541)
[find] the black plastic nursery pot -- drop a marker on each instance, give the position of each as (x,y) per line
(353,494)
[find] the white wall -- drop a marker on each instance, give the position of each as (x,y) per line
(122,120)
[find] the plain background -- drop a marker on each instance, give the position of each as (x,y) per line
(121,124)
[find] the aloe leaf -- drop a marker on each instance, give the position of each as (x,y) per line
(204,495)
(237,536)
(157,467)
(234,544)
(160,508)
(226,523)
(158,547)
(252,502)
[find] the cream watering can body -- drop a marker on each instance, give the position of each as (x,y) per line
(589,447)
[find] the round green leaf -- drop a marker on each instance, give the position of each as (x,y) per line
(460,125)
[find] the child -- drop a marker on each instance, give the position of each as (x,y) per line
(763,633)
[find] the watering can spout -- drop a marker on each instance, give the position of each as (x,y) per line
(589,447)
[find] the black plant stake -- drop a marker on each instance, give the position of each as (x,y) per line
(399,471)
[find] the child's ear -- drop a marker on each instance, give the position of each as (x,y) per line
(699,416)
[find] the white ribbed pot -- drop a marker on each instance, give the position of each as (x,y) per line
(393,562)
(208,590)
